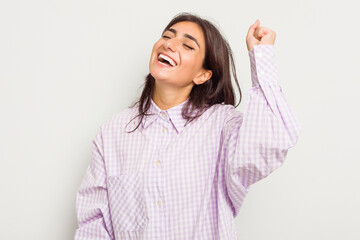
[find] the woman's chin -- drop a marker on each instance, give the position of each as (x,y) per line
(160,75)
(161,79)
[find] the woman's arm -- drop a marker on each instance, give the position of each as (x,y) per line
(92,205)
(256,141)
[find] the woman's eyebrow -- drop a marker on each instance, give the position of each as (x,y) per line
(185,35)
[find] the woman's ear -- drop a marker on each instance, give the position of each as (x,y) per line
(203,77)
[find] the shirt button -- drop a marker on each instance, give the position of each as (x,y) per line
(163,114)
(163,130)
(158,162)
(261,73)
(259,54)
(159,203)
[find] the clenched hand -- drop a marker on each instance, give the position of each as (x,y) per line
(258,35)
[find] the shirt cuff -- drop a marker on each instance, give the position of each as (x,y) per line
(263,67)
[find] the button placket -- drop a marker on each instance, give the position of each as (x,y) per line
(165,135)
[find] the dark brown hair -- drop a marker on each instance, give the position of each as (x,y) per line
(218,89)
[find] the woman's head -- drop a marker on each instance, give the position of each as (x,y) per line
(177,57)
(209,78)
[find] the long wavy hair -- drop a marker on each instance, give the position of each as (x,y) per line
(218,89)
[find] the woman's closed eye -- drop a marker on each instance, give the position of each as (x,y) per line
(187,46)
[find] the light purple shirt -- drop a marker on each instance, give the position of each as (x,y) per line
(168,181)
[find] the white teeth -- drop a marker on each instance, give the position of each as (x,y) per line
(168,59)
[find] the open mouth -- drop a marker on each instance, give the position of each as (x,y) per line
(165,60)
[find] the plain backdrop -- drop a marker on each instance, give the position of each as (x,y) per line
(67,66)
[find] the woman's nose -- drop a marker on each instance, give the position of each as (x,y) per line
(171,44)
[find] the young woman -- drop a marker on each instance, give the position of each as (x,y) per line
(179,162)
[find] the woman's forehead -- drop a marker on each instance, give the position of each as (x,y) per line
(187,27)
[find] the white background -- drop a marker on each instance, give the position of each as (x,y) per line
(68,66)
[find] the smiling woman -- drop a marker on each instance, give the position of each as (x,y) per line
(179,46)
(179,162)
(191,60)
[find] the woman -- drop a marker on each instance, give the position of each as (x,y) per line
(179,162)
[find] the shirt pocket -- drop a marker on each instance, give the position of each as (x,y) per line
(127,205)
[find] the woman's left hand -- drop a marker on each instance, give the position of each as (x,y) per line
(258,35)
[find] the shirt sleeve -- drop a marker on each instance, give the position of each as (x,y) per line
(256,141)
(92,207)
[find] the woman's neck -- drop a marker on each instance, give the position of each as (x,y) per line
(166,99)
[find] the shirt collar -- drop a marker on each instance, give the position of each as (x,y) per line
(173,113)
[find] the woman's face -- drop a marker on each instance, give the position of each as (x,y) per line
(178,55)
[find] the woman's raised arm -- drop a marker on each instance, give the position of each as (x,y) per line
(256,141)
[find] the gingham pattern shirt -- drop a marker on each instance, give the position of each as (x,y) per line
(168,181)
